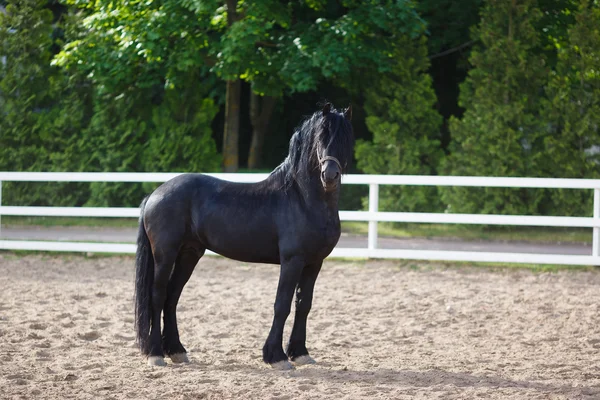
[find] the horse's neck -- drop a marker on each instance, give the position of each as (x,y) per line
(311,189)
(316,194)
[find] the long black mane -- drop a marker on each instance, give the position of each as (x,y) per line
(308,142)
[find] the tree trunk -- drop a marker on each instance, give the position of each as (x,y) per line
(260,115)
(231,131)
(232,126)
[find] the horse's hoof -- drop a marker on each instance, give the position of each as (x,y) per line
(304,360)
(179,358)
(156,361)
(283,365)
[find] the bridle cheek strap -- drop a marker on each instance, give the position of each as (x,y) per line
(330,158)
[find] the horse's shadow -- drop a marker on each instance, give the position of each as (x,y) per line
(439,378)
(435,378)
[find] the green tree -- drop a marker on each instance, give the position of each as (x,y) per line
(146,114)
(25,91)
(449,24)
(405,126)
(129,133)
(181,137)
(41,110)
(278,47)
(572,147)
(500,133)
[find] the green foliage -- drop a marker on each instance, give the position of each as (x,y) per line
(129,134)
(41,109)
(114,142)
(277,46)
(292,46)
(405,129)
(500,132)
(135,86)
(133,44)
(448,22)
(557,19)
(58,122)
(572,111)
(182,145)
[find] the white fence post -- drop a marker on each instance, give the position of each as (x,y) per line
(596,236)
(0,209)
(373,208)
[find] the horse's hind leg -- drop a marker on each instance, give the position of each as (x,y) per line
(184,266)
(164,259)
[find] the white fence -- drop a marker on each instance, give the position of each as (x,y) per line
(372,216)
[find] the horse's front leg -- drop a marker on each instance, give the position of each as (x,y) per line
(296,350)
(291,269)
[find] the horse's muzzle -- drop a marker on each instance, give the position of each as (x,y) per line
(330,180)
(331,171)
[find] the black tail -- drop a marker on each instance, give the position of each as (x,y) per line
(144,277)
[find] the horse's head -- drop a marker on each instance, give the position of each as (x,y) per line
(334,142)
(320,150)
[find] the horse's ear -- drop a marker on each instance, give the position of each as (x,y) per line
(326,109)
(348,113)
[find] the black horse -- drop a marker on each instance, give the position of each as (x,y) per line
(291,218)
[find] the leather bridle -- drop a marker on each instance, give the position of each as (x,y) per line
(331,158)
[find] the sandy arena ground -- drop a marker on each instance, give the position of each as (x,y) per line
(379,330)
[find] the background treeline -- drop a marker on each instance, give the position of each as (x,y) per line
(469,87)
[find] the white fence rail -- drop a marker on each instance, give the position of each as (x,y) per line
(372,216)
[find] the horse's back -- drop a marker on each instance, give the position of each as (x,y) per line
(176,194)
(232,219)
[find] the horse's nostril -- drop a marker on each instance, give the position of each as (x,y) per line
(329,176)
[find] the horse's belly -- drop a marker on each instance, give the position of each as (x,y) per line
(252,257)
(258,247)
